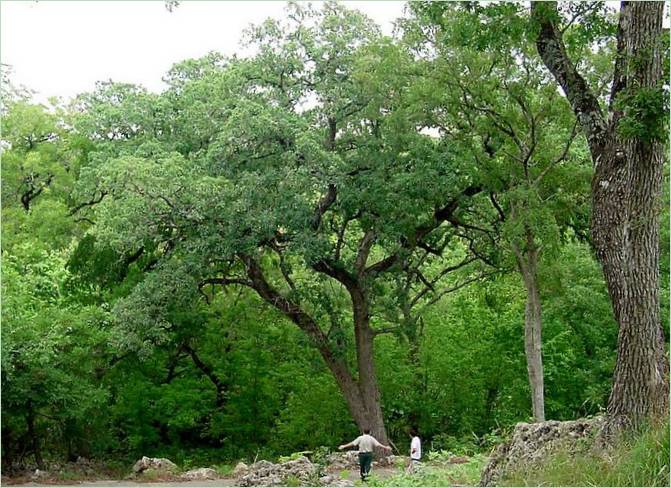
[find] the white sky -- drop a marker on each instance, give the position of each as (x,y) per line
(61,48)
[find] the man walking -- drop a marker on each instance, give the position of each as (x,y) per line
(366,443)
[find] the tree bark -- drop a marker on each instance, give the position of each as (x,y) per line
(368,384)
(626,190)
(527,262)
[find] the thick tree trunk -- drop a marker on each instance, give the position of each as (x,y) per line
(626,196)
(626,238)
(368,384)
(527,262)
(626,190)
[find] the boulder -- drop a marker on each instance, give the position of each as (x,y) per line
(158,465)
(531,443)
(265,473)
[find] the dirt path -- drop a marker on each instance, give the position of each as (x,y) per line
(353,475)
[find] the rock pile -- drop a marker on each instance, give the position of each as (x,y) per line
(343,460)
(530,443)
(264,473)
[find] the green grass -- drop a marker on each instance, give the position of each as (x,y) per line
(224,470)
(437,475)
(641,460)
(292,481)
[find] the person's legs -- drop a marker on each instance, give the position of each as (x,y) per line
(369,462)
(365,461)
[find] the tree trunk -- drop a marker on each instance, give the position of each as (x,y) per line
(32,435)
(626,190)
(626,193)
(368,384)
(527,262)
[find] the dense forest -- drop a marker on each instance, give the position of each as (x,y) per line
(343,230)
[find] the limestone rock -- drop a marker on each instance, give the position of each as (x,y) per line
(159,465)
(200,474)
(530,443)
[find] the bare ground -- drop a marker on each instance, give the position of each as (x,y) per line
(353,475)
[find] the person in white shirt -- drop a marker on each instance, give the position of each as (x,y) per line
(415,451)
(366,443)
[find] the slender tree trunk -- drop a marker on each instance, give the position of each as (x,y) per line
(626,190)
(527,262)
(30,421)
(415,331)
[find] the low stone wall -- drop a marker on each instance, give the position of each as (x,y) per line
(531,443)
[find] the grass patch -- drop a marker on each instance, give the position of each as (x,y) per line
(640,460)
(224,470)
(443,474)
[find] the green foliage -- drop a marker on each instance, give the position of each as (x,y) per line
(644,114)
(116,209)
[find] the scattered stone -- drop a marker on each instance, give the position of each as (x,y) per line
(333,480)
(200,474)
(265,473)
(160,466)
(530,443)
